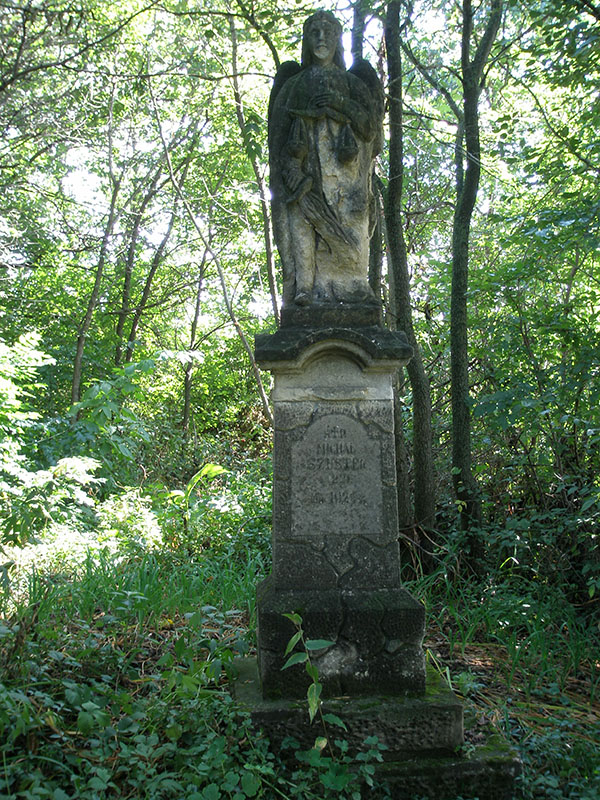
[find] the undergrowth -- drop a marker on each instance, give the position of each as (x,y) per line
(116,651)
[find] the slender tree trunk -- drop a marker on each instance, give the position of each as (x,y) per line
(187,378)
(467,186)
(376,243)
(358,28)
(405,508)
(424,479)
(260,180)
(156,260)
(129,263)
(84,327)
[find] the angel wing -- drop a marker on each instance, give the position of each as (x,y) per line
(362,70)
(286,71)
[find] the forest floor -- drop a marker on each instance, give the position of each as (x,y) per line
(115,667)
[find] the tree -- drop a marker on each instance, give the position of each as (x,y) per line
(468,169)
(400,301)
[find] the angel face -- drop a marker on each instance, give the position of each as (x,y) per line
(322,38)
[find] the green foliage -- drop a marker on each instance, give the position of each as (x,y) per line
(105,422)
(337,770)
(35,499)
(233,517)
(114,684)
(127,522)
(334,772)
(307,646)
(555,771)
(19,366)
(32,498)
(131,535)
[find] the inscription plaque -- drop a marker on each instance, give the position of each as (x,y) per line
(336,480)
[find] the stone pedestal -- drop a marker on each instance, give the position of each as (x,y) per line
(423,736)
(336,563)
(335,522)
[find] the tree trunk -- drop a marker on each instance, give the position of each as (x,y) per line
(405,510)
(156,259)
(260,180)
(358,28)
(424,479)
(376,243)
(93,300)
(129,262)
(187,378)
(467,185)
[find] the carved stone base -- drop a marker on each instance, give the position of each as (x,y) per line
(377,641)
(423,737)
(327,314)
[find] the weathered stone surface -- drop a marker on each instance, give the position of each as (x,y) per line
(329,315)
(423,735)
(288,343)
(300,565)
(325,129)
(486,773)
(335,523)
(336,479)
(376,640)
(408,726)
(334,497)
(335,508)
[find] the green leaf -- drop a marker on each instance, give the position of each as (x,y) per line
(588,503)
(312,671)
(174,731)
(318,644)
(211,792)
(211,471)
(250,784)
(165,660)
(214,669)
(180,647)
(124,450)
(313,695)
(293,642)
(333,719)
(296,658)
(85,722)
(295,618)
(97,783)
(208,471)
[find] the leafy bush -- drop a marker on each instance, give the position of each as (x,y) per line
(127,523)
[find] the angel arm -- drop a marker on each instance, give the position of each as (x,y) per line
(359,104)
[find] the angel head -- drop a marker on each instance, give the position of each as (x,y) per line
(322,41)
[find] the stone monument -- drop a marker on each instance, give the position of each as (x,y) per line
(336,557)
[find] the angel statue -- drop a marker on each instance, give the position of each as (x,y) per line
(325,129)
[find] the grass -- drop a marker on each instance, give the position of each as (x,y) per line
(115,663)
(528,662)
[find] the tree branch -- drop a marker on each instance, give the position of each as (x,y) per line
(217,262)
